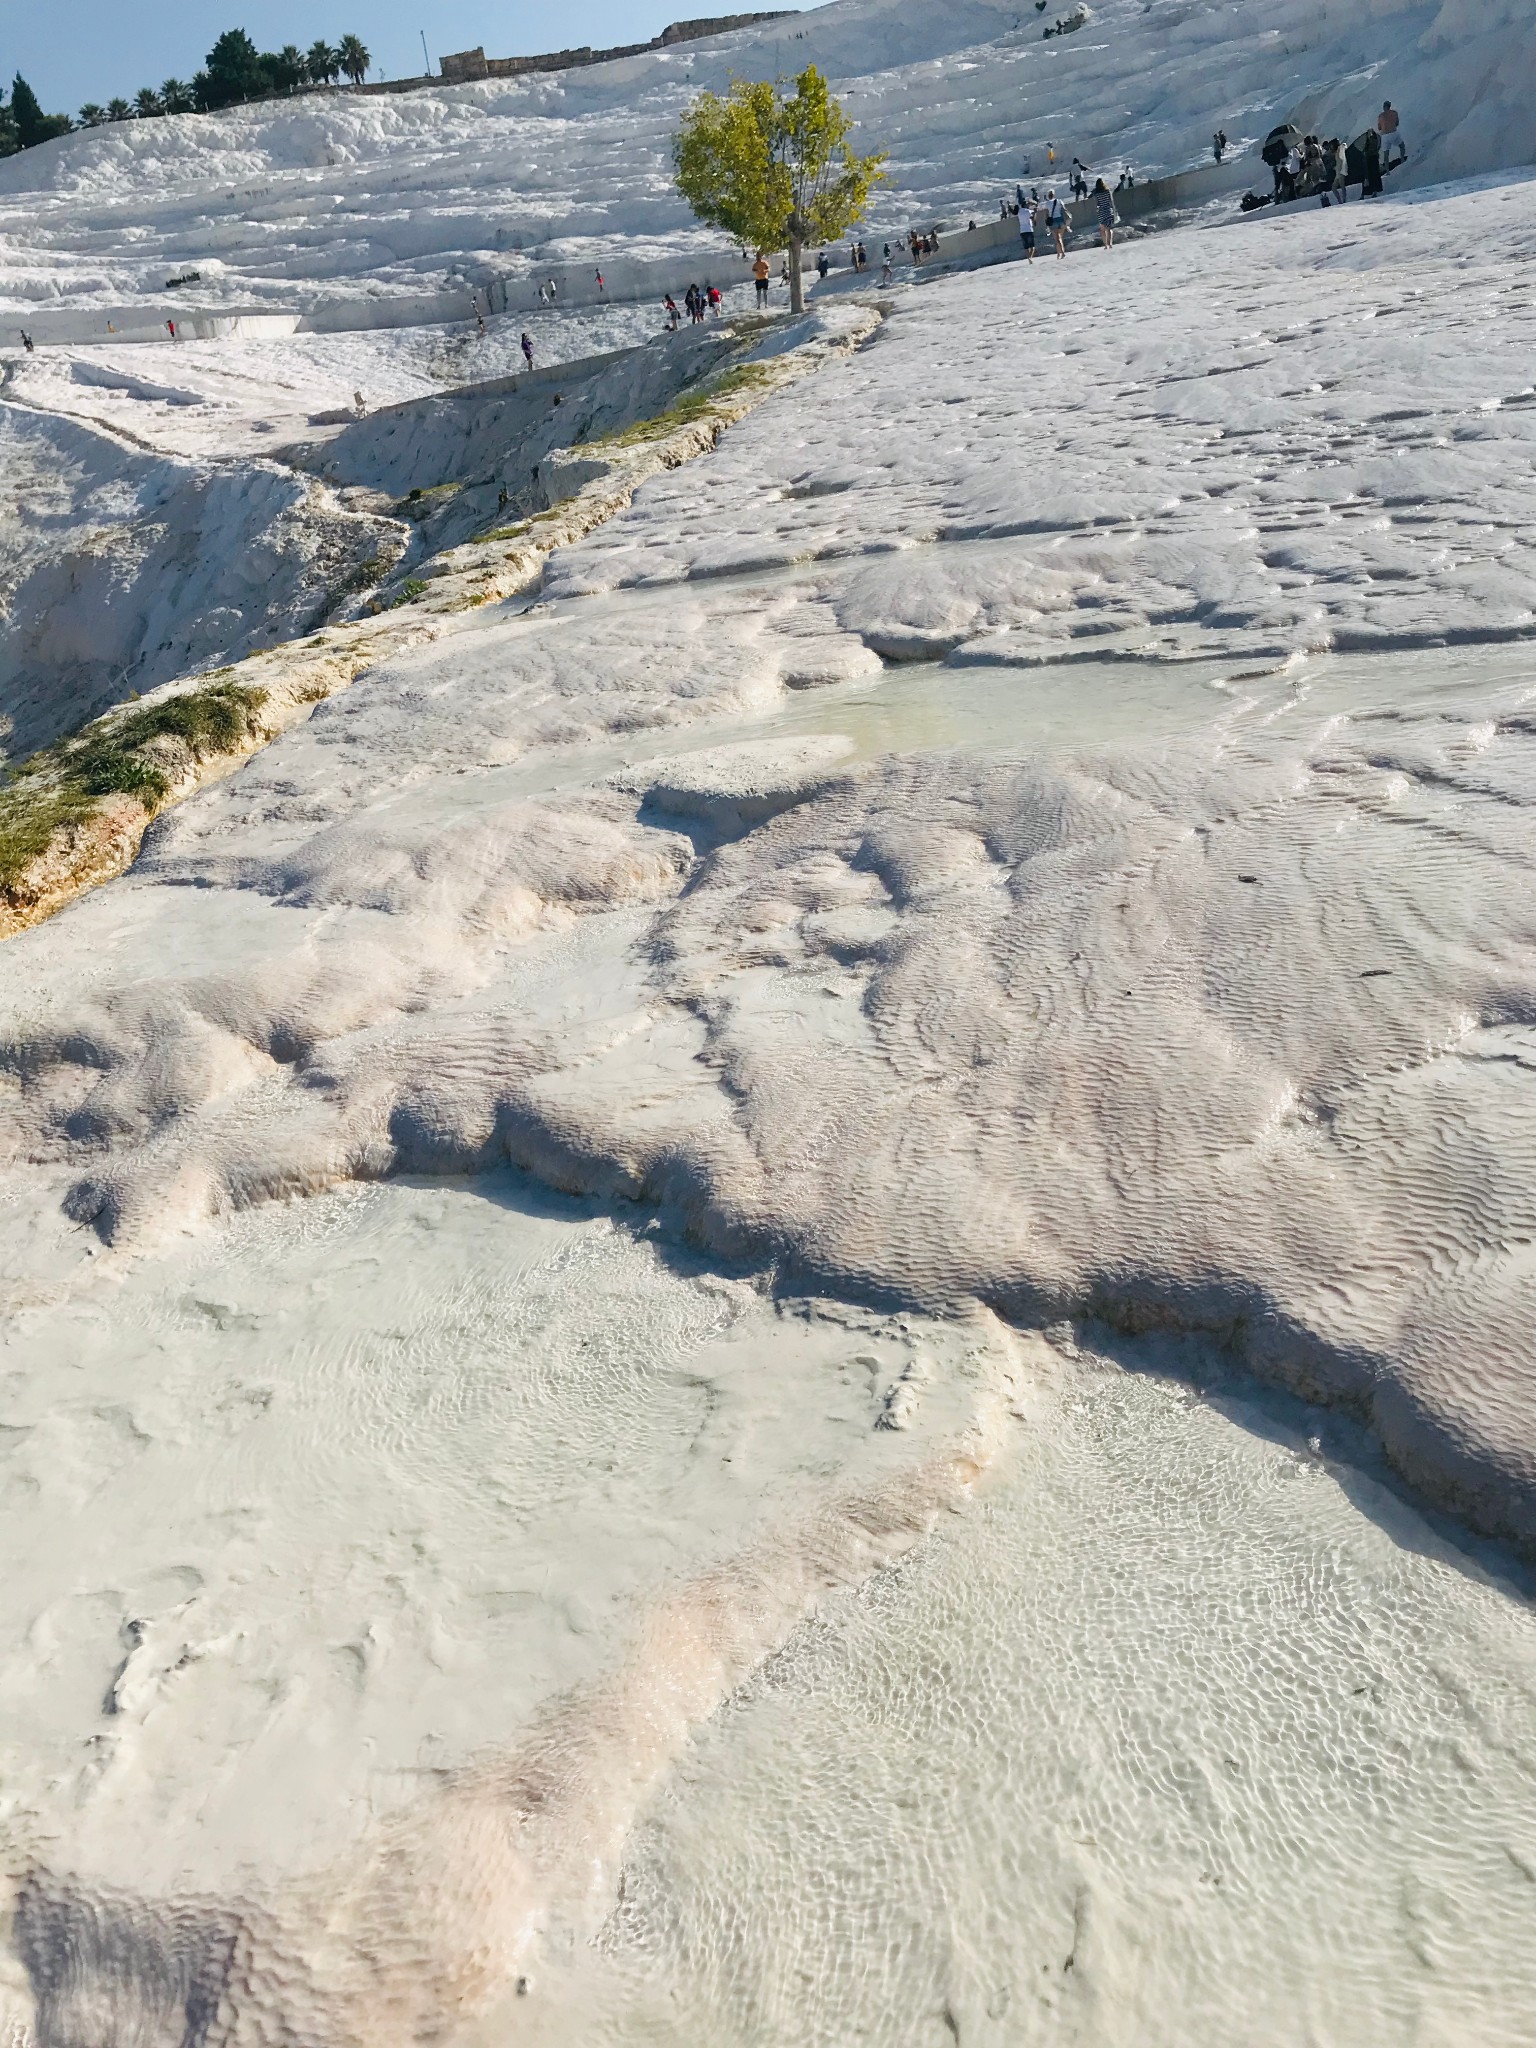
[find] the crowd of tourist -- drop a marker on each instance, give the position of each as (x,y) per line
(1303,166)
(1310,166)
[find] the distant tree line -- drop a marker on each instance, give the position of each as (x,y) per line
(234,71)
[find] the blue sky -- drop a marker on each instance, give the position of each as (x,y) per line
(71,51)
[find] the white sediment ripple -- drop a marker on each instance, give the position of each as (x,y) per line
(1224,1031)
(1158,954)
(1014,1795)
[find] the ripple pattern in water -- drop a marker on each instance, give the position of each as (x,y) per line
(1167,1743)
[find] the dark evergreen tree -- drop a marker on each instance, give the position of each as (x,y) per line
(32,124)
(235,70)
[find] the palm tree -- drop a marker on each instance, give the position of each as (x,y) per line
(147,103)
(354,58)
(92,116)
(119,110)
(176,97)
(288,68)
(322,63)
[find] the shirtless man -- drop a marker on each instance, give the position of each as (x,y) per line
(1394,150)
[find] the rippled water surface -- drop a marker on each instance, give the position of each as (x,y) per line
(1187,1734)
(1181,1727)
(1186,1729)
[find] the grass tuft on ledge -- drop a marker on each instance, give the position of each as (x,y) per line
(693,405)
(123,754)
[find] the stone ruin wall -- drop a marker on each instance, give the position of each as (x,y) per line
(467,65)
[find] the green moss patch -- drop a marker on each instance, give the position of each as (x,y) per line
(112,757)
(692,406)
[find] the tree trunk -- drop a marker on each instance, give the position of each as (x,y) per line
(796,283)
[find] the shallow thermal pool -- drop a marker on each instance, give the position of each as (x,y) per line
(1187,1734)
(1131,1707)
(1184,1729)
(1035,710)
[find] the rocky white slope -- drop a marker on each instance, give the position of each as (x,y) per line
(342,197)
(757,1087)
(1340,467)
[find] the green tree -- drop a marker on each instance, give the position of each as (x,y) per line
(322,63)
(92,116)
(288,68)
(32,124)
(176,97)
(147,102)
(353,58)
(235,70)
(10,141)
(774,170)
(119,110)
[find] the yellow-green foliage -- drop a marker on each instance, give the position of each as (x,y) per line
(693,405)
(62,785)
(774,170)
(422,499)
(524,526)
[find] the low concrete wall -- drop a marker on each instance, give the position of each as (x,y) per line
(418,309)
(1312,201)
(1136,202)
(1187,188)
(147,323)
(625,282)
(548,375)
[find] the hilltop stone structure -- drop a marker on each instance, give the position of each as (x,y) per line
(467,65)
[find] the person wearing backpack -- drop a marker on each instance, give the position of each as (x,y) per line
(1056,220)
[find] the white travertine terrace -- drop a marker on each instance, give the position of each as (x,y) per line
(755,1082)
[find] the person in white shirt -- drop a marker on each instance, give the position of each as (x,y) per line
(1057,221)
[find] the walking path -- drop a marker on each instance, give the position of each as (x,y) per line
(1134,203)
(625,282)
